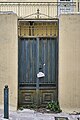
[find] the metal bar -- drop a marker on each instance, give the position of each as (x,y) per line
(39,20)
(38,37)
(6,102)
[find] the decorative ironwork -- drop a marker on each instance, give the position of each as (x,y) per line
(38,29)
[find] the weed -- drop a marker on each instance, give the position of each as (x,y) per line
(54,106)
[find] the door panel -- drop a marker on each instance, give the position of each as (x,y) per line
(37,55)
(27,61)
(47,60)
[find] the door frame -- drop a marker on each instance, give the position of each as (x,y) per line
(57,59)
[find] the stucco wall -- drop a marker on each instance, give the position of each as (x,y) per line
(9,58)
(69,62)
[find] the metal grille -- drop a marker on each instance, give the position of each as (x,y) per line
(38,29)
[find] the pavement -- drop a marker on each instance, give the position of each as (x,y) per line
(27,114)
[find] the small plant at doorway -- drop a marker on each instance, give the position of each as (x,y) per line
(54,106)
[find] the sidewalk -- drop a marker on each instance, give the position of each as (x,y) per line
(28,114)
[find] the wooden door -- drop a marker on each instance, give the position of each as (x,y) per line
(36,56)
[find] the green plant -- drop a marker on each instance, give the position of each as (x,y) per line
(54,106)
(21,108)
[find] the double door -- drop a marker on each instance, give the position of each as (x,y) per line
(37,71)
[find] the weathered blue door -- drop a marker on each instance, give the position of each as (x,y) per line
(36,56)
